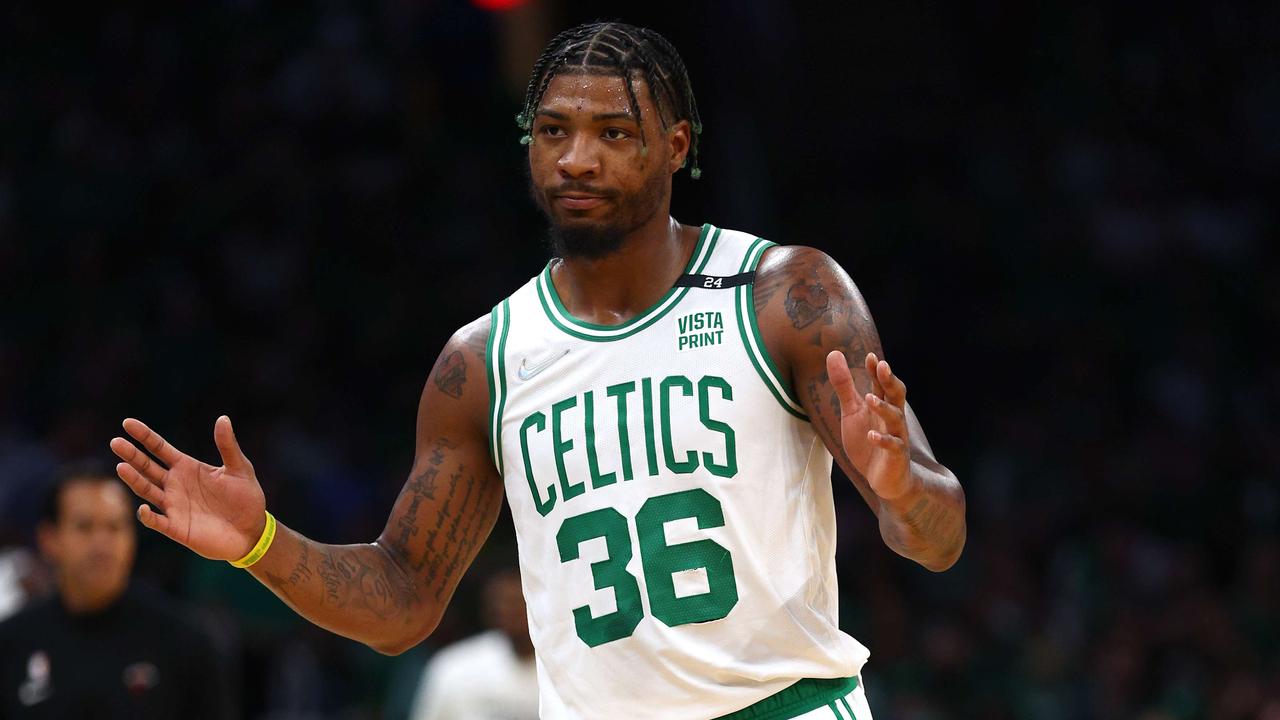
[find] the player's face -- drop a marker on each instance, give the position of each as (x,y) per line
(595,172)
(92,544)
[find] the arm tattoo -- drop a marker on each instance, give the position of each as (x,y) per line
(854,333)
(421,486)
(808,301)
(455,534)
(450,371)
(447,507)
(928,525)
(450,374)
(365,578)
(826,422)
(820,311)
(765,287)
(359,577)
(846,323)
(932,519)
(329,576)
(441,517)
(822,303)
(302,570)
(435,545)
(826,426)
(301,573)
(448,511)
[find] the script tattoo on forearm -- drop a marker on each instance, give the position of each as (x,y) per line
(448,509)
(360,577)
(942,525)
(422,486)
(302,570)
(364,577)
(301,573)
(456,532)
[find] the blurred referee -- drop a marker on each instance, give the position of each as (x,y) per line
(100,648)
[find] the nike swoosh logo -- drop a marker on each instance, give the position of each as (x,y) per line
(527,371)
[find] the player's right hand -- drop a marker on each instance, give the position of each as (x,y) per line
(218,512)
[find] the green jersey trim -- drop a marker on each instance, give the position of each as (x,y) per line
(561,318)
(753,341)
(495,366)
(798,699)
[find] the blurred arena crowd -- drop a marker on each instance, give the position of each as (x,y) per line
(1062,216)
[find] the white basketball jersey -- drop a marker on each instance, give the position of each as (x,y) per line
(672,503)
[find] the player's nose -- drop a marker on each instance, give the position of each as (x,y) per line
(581,158)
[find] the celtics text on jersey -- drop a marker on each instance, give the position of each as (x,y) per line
(672,502)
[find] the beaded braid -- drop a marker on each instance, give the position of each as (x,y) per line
(543,71)
(659,91)
(682,76)
(624,49)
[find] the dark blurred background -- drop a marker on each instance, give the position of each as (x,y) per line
(1063,216)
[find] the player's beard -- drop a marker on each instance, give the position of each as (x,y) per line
(592,240)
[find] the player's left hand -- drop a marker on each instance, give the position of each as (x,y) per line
(873,426)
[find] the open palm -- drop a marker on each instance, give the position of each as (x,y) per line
(873,426)
(218,512)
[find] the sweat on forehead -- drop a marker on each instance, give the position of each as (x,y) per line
(636,97)
(578,92)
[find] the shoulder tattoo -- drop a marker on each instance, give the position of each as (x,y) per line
(450,371)
(450,374)
(808,301)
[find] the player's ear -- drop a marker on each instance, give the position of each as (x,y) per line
(680,136)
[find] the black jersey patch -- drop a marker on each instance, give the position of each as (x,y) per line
(715,282)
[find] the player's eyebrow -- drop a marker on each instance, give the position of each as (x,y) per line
(552,114)
(614,116)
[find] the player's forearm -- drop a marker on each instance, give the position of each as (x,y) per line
(358,591)
(927,525)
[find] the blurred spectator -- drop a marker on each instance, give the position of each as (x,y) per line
(102,647)
(490,676)
(22,577)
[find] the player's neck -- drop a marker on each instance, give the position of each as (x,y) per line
(82,601)
(613,289)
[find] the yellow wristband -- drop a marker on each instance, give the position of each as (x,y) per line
(264,544)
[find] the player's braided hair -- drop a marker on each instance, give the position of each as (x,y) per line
(611,48)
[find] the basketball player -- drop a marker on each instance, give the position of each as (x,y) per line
(661,405)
